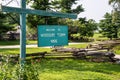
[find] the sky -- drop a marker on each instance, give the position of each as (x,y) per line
(94,9)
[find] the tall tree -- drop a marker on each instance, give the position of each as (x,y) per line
(87,27)
(115,14)
(115,4)
(5,24)
(108,29)
(66,6)
(34,20)
(51,5)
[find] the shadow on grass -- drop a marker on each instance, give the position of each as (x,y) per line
(79,65)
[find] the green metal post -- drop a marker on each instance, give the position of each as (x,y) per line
(23,33)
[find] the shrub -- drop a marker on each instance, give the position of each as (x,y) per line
(17,72)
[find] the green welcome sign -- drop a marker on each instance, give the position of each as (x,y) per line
(23,11)
(52,35)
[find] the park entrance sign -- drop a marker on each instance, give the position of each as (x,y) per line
(23,11)
(52,35)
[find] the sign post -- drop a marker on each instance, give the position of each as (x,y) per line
(23,33)
(23,11)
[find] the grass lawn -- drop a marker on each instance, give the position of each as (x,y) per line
(99,37)
(16,42)
(81,45)
(28,50)
(38,49)
(65,69)
(117,49)
(68,69)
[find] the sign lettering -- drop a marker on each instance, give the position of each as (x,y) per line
(52,35)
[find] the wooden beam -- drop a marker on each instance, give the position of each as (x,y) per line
(38,12)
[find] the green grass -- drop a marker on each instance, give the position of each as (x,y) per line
(28,50)
(73,69)
(33,50)
(99,37)
(31,41)
(81,45)
(16,42)
(117,49)
(38,49)
(70,69)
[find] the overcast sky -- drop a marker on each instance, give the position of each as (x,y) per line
(94,9)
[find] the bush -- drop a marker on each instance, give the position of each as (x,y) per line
(117,49)
(9,72)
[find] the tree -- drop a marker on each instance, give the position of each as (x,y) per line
(108,29)
(34,20)
(52,5)
(13,18)
(116,22)
(83,27)
(72,25)
(115,14)
(5,24)
(66,6)
(87,27)
(115,4)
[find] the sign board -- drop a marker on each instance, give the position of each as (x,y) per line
(52,35)
(23,11)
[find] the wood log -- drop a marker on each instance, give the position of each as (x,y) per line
(99,53)
(42,54)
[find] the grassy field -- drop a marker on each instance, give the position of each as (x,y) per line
(81,45)
(38,49)
(69,69)
(60,69)
(16,42)
(99,37)
(65,69)
(28,50)
(117,49)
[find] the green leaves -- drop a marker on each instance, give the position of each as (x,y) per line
(87,28)
(108,27)
(5,24)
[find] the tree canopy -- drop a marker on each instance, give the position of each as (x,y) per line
(5,24)
(52,5)
(108,28)
(115,16)
(87,27)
